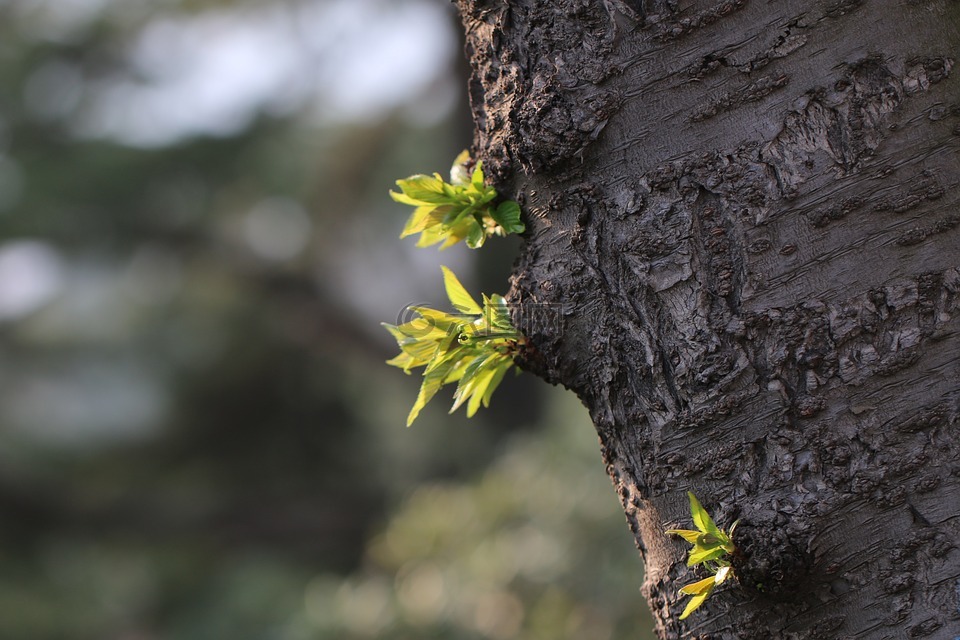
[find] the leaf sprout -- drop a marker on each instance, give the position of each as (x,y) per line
(462,209)
(473,347)
(712,548)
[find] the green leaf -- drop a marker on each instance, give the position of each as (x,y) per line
(393,330)
(421,351)
(472,376)
(423,218)
(507,215)
(497,316)
(698,599)
(441,319)
(424,190)
(483,380)
(694,604)
(452,348)
(429,237)
(454,232)
(405,199)
(477,178)
(475,234)
(462,210)
(686,534)
(453,192)
(414,352)
(495,380)
(711,545)
(432,382)
(425,327)
(456,373)
(459,298)
(701,586)
(699,555)
(701,518)
(448,350)
(403,361)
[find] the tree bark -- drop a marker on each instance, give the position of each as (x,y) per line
(742,255)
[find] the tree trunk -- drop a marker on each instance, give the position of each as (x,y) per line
(742,254)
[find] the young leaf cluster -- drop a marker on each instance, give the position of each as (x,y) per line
(712,548)
(473,347)
(461,209)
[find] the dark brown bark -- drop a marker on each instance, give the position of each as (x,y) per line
(744,215)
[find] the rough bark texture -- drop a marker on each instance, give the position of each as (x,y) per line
(745,217)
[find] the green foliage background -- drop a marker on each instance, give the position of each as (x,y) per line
(199,437)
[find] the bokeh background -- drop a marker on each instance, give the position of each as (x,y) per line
(199,438)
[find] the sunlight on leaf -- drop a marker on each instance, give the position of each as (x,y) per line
(473,347)
(459,298)
(461,210)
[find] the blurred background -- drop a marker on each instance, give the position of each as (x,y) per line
(199,438)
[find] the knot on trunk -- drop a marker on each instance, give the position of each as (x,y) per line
(769,560)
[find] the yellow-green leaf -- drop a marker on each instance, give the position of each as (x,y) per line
(472,376)
(421,330)
(495,381)
(459,298)
(432,381)
(403,198)
(703,554)
(686,534)
(701,518)
(430,319)
(402,361)
(475,233)
(427,391)
(479,389)
(455,348)
(423,217)
(431,236)
(423,189)
(477,178)
(696,601)
(700,586)
(461,210)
